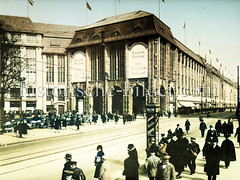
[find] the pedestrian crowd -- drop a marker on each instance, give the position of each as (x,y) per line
(168,158)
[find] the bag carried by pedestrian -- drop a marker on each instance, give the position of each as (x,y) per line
(78,174)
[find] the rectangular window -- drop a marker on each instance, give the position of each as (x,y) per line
(162,60)
(61,95)
(15,92)
(31,103)
(61,69)
(49,94)
(172,57)
(31,92)
(15,103)
(31,64)
(97,63)
(50,68)
(117,61)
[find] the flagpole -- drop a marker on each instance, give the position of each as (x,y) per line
(27,9)
(185,33)
(86,11)
(115,7)
(199,47)
(159,9)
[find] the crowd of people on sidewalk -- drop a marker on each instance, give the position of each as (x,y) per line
(62,121)
(168,158)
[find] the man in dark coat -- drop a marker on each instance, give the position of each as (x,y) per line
(131,166)
(181,154)
(237,134)
(202,127)
(178,131)
(228,151)
(213,155)
(218,127)
(67,170)
(212,132)
(171,150)
(224,128)
(193,151)
(116,118)
(187,125)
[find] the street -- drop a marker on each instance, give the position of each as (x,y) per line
(44,159)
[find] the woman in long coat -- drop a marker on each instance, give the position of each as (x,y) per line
(213,155)
(228,151)
(187,125)
(98,161)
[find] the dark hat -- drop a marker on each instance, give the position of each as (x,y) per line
(165,156)
(162,134)
(210,126)
(68,156)
(130,146)
(178,124)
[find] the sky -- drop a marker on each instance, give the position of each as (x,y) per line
(213,23)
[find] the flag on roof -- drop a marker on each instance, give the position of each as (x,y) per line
(210,51)
(88,6)
(163,0)
(31,2)
(184,26)
(217,59)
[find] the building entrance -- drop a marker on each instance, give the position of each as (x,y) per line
(117,100)
(139,100)
(97,100)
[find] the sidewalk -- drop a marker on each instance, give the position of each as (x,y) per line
(46,133)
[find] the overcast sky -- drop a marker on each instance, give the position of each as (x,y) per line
(213,23)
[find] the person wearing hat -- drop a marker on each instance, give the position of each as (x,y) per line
(202,127)
(151,165)
(193,151)
(77,172)
(213,155)
(212,132)
(163,139)
(166,170)
(181,154)
(171,150)
(132,151)
(131,164)
(152,147)
(67,170)
(178,131)
(228,151)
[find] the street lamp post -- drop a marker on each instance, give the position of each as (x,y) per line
(105,78)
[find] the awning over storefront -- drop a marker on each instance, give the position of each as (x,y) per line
(186,104)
